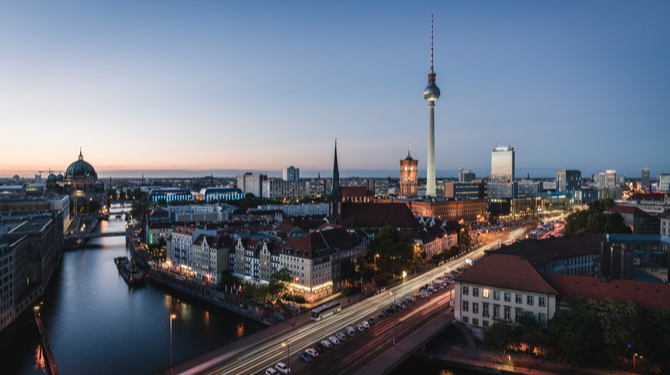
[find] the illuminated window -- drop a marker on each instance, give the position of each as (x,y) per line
(485,293)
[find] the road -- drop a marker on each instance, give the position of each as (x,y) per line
(357,350)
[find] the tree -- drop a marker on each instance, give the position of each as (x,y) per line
(594,220)
(464,236)
(576,333)
(228,279)
(138,206)
(500,336)
(279,282)
(350,272)
(397,252)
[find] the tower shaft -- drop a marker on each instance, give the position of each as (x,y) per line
(430,175)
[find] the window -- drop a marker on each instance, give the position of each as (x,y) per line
(475,308)
(465,290)
(519,298)
(542,301)
(465,319)
(529,300)
(475,292)
(519,312)
(508,313)
(530,314)
(496,312)
(496,295)
(465,305)
(508,297)
(485,323)
(475,321)
(485,309)
(485,293)
(542,318)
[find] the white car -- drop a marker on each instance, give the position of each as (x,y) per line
(350,331)
(341,336)
(361,328)
(312,353)
(365,324)
(281,367)
(334,340)
(271,371)
(327,344)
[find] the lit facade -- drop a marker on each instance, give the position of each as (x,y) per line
(645,179)
(408,177)
(607,179)
(502,164)
(568,180)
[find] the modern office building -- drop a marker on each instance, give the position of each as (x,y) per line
(431,94)
(502,190)
(568,180)
(465,175)
(251,183)
(291,174)
(275,188)
(528,188)
(645,179)
(408,177)
(215,194)
(464,190)
(607,179)
(502,164)
(664,182)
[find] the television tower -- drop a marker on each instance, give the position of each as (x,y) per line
(431,94)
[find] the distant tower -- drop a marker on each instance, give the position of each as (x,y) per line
(431,94)
(408,176)
(335,195)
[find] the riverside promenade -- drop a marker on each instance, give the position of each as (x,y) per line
(45,344)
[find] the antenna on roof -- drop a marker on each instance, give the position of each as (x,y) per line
(510,142)
(431,42)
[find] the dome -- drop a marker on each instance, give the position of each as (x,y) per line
(52,177)
(431,93)
(59,177)
(80,170)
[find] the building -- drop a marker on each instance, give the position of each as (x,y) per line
(464,190)
(156,231)
(528,188)
(211,257)
(646,247)
(568,180)
(651,268)
(644,181)
(664,219)
(302,209)
(664,182)
(170,195)
(251,183)
(502,190)
(639,221)
(275,188)
(465,175)
(409,181)
(607,179)
(502,164)
(451,210)
(217,194)
(501,288)
(291,174)
(200,213)
(431,94)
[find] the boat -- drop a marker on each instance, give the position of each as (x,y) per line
(129,272)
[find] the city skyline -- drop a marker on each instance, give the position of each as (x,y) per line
(569,83)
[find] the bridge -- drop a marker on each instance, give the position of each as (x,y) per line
(95,235)
(368,352)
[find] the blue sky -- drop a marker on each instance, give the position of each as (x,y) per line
(210,86)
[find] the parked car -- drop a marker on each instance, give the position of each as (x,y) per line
(360,328)
(334,340)
(350,331)
(365,325)
(382,314)
(327,344)
(281,367)
(305,357)
(371,321)
(320,348)
(341,336)
(271,371)
(312,353)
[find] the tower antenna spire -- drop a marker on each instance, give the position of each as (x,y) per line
(431,42)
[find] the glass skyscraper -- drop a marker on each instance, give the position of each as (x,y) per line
(502,164)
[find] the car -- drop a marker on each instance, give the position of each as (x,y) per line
(305,357)
(281,367)
(382,314)
(341,336)
(371,321)
(312,353)
(319,348)
(365,324)
(360,328)
(334,340)
(327,344)
(350,331)
(271,371)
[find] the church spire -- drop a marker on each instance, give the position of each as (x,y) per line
(81,156)
(335,191)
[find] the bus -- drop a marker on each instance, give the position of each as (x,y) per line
(325,310)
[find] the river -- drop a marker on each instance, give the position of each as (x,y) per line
(96,324)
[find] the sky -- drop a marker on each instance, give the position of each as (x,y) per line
(167,88)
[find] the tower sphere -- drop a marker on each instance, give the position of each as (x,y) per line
(431,93)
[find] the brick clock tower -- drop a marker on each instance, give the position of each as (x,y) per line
(408,177)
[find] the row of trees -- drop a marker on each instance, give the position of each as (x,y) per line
(591,333)
(594,220)
(278,285)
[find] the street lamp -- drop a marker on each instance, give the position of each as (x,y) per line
(288,355)
(393,318)
(635,355)
(376,256)
(172,316)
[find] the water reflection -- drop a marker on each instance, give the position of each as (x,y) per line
(240,330)
(39,360)
(207,319)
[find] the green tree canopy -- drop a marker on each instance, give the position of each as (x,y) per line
(594,220)
(396,252)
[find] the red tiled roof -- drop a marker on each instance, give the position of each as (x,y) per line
(354,191)
(648,197)
(376,215)
(539,252)
(644,294)
(506,271)
(630,210)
